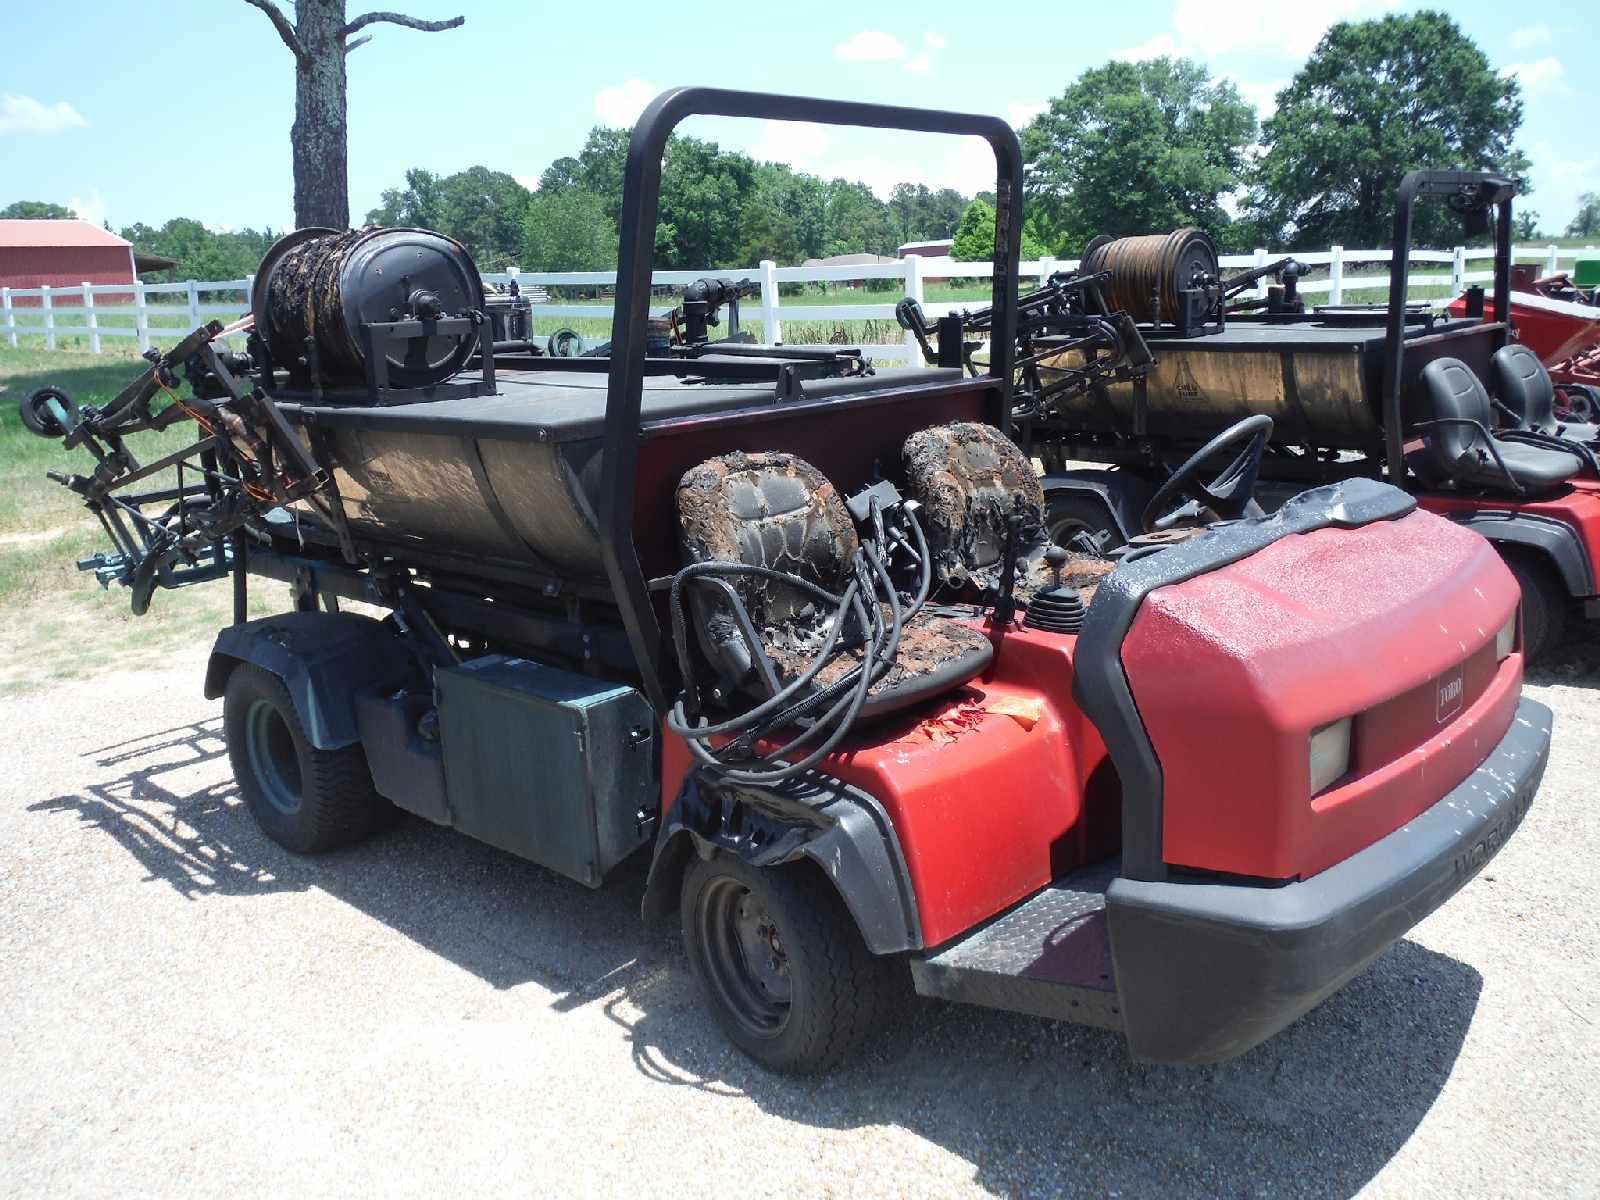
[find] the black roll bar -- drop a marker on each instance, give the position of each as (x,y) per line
(1479,189)
(641,194)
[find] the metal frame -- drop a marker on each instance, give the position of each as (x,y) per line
(1495,191)
(641,196)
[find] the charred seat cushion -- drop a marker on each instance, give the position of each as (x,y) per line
(775,510)
(969,479)
(1462,452)
(1524,386)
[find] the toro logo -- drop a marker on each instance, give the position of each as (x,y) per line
(1451,689)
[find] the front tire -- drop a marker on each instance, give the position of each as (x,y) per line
(1544,606)
(781,965)
(1068,513)
(305,799)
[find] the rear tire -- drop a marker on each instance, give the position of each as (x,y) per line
(305,799)
(1544,605)
(781,965)
(1068,513)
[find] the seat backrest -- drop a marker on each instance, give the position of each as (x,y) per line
(1454,395)
(766,510)
(969,478)
(1523,385)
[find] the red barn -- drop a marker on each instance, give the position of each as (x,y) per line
(62,254)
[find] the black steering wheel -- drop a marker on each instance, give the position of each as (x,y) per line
(1230,495)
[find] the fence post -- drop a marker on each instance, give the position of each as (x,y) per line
(1550,264)
(1261,261)
(11,316)
(771,329)
(49,317)
(914,291)
(94,317)
(1336,275)
(1047,268)
(141,316)
(1458,270)
(194,304)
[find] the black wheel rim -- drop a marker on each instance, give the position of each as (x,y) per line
(273,759)
(745,960)
(1061,529)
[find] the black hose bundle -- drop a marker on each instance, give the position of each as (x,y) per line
(829,711)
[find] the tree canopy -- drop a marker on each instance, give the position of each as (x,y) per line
(974,240)
(1587,222)
(200,252)
(1134,147)
(36,210)
(482,209)
(568,230)
(1376,99)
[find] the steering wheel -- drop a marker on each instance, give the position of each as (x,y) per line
(1230,495)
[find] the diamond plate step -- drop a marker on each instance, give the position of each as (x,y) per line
(1049,956)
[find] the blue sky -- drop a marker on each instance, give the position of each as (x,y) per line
(95,110)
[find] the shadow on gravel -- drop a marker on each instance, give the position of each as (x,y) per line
(1034,1107)
(1575,662)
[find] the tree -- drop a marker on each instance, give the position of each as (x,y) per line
(974,240)
(1136,148)
(200,253)
(480,208)
(562,174)
(419,203)
(925,214)
(568,230)
(857,221)
(319,39)
(1377,99)
(1587,222)
(35,210)
(1525,225)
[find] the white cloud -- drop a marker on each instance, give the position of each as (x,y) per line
(1262,95)
(870,46)
(934,41)
(621,105)
(24,114)
(1532,35)
(1566,170)
(91,208)
(801,144)
(921,64)
(1160,46)
(1271,26)
(1541,75)
(1025,111)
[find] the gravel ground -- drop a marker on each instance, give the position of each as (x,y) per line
(189,1010)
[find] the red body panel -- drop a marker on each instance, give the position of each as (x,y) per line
(1552,329)
(1578,507)
(1003,786)
(1233,670)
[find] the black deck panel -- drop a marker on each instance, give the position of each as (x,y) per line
(1310,334)
(563,406)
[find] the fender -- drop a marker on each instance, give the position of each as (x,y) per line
(1559,542)
(324,660)
(1123,493)
(840,828)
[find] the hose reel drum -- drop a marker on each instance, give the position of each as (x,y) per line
(323,296)
(1166,280)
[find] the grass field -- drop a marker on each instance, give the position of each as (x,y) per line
(55,621)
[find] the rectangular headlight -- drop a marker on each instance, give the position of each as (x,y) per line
(1505,641)
(1330,753)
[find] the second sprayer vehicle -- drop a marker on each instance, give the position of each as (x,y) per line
(794,632)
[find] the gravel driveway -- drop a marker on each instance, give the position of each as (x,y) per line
(189,1010)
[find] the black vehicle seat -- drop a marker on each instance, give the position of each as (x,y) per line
(1458,441)
(1523,385)
(970,479)
(775,510)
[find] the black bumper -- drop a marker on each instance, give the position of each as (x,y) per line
(1204,971)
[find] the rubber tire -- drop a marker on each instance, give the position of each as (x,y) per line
(841,994)
(1090,514)
(338,804)
(1544,606)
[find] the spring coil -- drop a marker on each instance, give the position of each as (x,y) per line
(1149,271)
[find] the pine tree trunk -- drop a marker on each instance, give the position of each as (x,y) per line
(318,136)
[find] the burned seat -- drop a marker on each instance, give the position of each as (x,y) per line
(1528,395)
(1458,444)
(977,488)
(774,553)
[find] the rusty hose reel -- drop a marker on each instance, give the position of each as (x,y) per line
(1148,272)
(316,288)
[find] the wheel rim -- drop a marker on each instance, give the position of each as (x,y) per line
(745,960)
(1062,528)
(273,760)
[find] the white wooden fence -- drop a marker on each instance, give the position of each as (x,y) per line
(178,307)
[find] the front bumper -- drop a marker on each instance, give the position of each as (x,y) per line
(1204,970)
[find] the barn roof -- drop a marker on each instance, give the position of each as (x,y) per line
(56,233)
